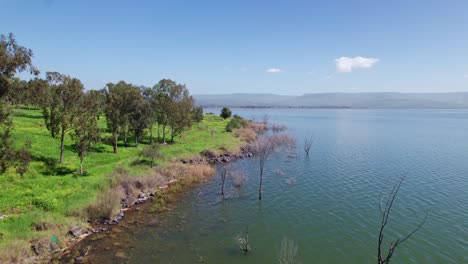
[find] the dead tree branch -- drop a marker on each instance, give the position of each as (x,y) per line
(385,210)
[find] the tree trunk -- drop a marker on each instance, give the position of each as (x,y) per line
(136,140)
(116,139)
(81,162)
(172,134)
(159,138)
(222,188)
(151,134)
(125,138)
(164,134)
(62,147)
(260,187)
(152,163)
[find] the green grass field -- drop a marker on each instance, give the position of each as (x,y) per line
(53,194)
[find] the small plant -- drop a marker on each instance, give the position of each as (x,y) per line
(23,157)
(243,241)
(288,252)
(151,152)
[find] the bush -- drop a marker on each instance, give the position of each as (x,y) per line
(225,113)
(246,134)
(197,114)
(208,154)
(107,204)
(187,172)
(236,122)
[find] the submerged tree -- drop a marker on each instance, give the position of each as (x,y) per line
(264,147)
(307,145)
(243,241)
(288,252)
(385,209)
(224,172)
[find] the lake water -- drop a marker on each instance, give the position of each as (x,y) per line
(328,202)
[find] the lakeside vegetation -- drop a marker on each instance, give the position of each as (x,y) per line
(68,155)
(54,194)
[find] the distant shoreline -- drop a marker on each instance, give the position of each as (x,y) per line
(331,107)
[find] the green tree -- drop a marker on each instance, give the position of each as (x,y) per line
(38,92)
(120,100)
(140,118)
(197,114)
(13,59)
(225,113)
(179,109)
(150,152)
(6,142)
(23,158)
(61,109)
(85,128)
(151,96)
(163,89)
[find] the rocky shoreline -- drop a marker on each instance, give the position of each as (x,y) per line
(78,233)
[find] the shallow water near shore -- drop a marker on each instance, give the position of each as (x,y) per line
(327,202)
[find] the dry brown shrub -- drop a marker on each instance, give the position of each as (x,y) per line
(257,127)
(117,176)
(238,178)
(246,134)
(278,127)
(107,204)
(186,171)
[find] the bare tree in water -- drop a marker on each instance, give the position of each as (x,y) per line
(385,209)
(288,252)
(264,147)
(243,241)
(223,178)
(307,145)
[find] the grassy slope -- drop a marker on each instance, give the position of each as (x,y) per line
(54,195)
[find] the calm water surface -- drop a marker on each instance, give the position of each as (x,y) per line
(328,202)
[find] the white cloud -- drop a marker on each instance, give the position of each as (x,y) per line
(348,64)
(274,70)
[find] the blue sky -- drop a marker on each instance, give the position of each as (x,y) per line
(283,47)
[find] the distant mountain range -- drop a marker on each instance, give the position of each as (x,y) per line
(456,100)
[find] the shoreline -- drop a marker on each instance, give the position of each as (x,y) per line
(81,234)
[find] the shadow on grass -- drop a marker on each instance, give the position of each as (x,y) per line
(52,167)
(141,162)
(27,115)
